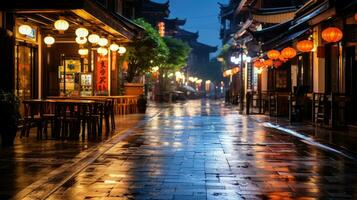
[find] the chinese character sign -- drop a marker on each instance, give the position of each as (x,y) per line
(102,75)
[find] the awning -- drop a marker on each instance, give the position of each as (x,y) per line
(91,11)
(279,42)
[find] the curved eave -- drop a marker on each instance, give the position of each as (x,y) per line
(283,40)
(272,30)
(274,11)
(276,18)
(90,11)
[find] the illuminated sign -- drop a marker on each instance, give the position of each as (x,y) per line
(102,75)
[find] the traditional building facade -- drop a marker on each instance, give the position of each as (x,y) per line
(324,73)
(47,47)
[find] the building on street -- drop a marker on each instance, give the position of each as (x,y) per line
(314,78)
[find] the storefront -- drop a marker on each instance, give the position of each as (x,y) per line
(66,48)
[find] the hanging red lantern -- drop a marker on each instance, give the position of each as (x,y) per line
(305,45)
(235,70)
(257,64)
(268,63)
(273,54)
(356,16)
(281,58)
(278,63)
(288,52)
(332,34)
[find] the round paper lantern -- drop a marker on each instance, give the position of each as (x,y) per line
(25,29)
(121,50)
(332,34)
(103,51)
(235,70)
(288,52)
(83,52)
(273,54)
(49,40)
(278,63)
(93,38)
(114,47)
(81,40)
(103,42)
(281,58)
(257,64)
(305,45)
(268,63)
(61,25)
(82,32)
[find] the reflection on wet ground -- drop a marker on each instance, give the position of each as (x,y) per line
(31,159)
(205,150)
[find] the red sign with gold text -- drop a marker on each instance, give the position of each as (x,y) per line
(102,75)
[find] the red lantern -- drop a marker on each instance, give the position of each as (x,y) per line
(268,63)
(257,64)
(288,52)
(305,45)
(356,16)
(273,54)
(278,63)
(235,70)
(281,58)
(332,34)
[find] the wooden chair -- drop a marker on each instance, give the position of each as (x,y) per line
(32,116)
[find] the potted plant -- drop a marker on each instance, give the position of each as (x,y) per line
(9,117)
(142,104)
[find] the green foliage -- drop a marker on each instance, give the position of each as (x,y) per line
(178,53)
(223,55)
(146,52)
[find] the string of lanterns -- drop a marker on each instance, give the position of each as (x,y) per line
(82,37)
(231,72)
(277,58)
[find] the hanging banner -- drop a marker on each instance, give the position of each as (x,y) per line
(102,75)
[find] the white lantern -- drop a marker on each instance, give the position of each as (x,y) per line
(49,40)
(81,40)
(121,50)
(61,25)
(82,32)
(102,42)
(103,51)
(83,52)
(114,47)
(25,29)
(93,38)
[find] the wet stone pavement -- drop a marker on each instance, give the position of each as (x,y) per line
(206,150)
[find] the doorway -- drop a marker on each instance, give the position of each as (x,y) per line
(26,71)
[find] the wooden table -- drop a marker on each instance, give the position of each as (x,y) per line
(68,117)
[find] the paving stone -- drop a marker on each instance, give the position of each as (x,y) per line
(186,152)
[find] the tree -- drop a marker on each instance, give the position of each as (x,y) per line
(178,53)
(146,52)
(224,55)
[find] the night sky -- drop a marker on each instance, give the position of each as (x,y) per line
(201,15)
